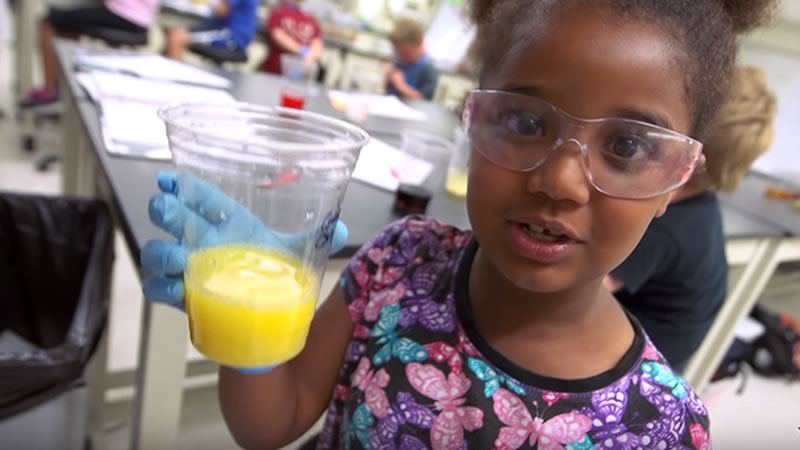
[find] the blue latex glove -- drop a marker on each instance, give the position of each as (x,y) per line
(198,214)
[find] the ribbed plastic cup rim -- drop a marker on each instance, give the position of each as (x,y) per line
(357,136)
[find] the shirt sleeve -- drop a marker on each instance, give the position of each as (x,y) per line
(654,254)
(429,80)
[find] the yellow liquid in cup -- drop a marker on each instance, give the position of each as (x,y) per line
(248,307)
(457,182)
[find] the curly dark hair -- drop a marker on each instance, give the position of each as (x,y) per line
(708,30)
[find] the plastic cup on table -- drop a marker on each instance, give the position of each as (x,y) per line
(457,171)
(299,81)
(251,298)
(432,148)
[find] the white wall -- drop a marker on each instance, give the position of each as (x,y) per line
(791,10)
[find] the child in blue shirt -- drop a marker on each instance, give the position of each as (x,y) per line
(233,27)
(504,336)
(413,76)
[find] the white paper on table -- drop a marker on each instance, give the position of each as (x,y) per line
(129,110)
(133,123)
(154,67)
(87,83)
(384,166)
(120,86)
(387,106)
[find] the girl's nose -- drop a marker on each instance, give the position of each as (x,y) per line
(563,175)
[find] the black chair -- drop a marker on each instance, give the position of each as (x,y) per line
(118,38)
(219,55)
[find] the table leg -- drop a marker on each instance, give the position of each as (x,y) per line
(738,305)
(26,27)
(72,137)
(159,378)
(96,375)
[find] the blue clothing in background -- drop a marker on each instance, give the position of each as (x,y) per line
(421,75)
(241,22)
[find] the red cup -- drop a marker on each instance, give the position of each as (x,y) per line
(292,99)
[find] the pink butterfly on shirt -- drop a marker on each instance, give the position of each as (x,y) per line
(373,385)
(699,437)
(651,353)
(379,299)
(520,426)
(448,428)
(554,397)
(443,352)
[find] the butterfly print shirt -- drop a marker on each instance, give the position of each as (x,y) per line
(418,375)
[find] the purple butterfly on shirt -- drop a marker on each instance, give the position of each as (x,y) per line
(609,406)
(420,305)
(668,430)
(407,442)
(405,412)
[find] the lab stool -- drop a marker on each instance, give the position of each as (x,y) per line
(219,56)
(117,38)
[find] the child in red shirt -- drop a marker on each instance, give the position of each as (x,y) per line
(291,30)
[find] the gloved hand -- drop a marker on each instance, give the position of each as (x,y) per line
(198,214)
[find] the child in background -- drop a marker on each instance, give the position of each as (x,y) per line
(413,76)
(291,30)
(676,280)
(504,336)
(233,26)
(123,15)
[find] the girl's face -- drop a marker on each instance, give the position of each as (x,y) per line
(591,66)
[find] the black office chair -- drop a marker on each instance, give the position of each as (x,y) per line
(118,38)
(218,55)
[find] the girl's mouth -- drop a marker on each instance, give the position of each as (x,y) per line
(540,244)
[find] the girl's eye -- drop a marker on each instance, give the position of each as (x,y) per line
(630,147)
(522,122)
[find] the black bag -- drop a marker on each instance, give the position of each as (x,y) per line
(56,257)
(777,352)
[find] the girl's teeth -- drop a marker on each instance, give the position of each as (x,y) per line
(543,235)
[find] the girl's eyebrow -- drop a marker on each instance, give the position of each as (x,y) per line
(650,117)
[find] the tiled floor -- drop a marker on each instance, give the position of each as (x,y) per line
(767,415)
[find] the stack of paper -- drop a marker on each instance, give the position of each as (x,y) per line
(153,67)
(387,106)
(384,166)
(129,109)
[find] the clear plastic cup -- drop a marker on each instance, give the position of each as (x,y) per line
(252,288)
(299,82)
(294,68)
(459,165)
(431,148)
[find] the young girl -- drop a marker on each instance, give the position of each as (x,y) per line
(504,336)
